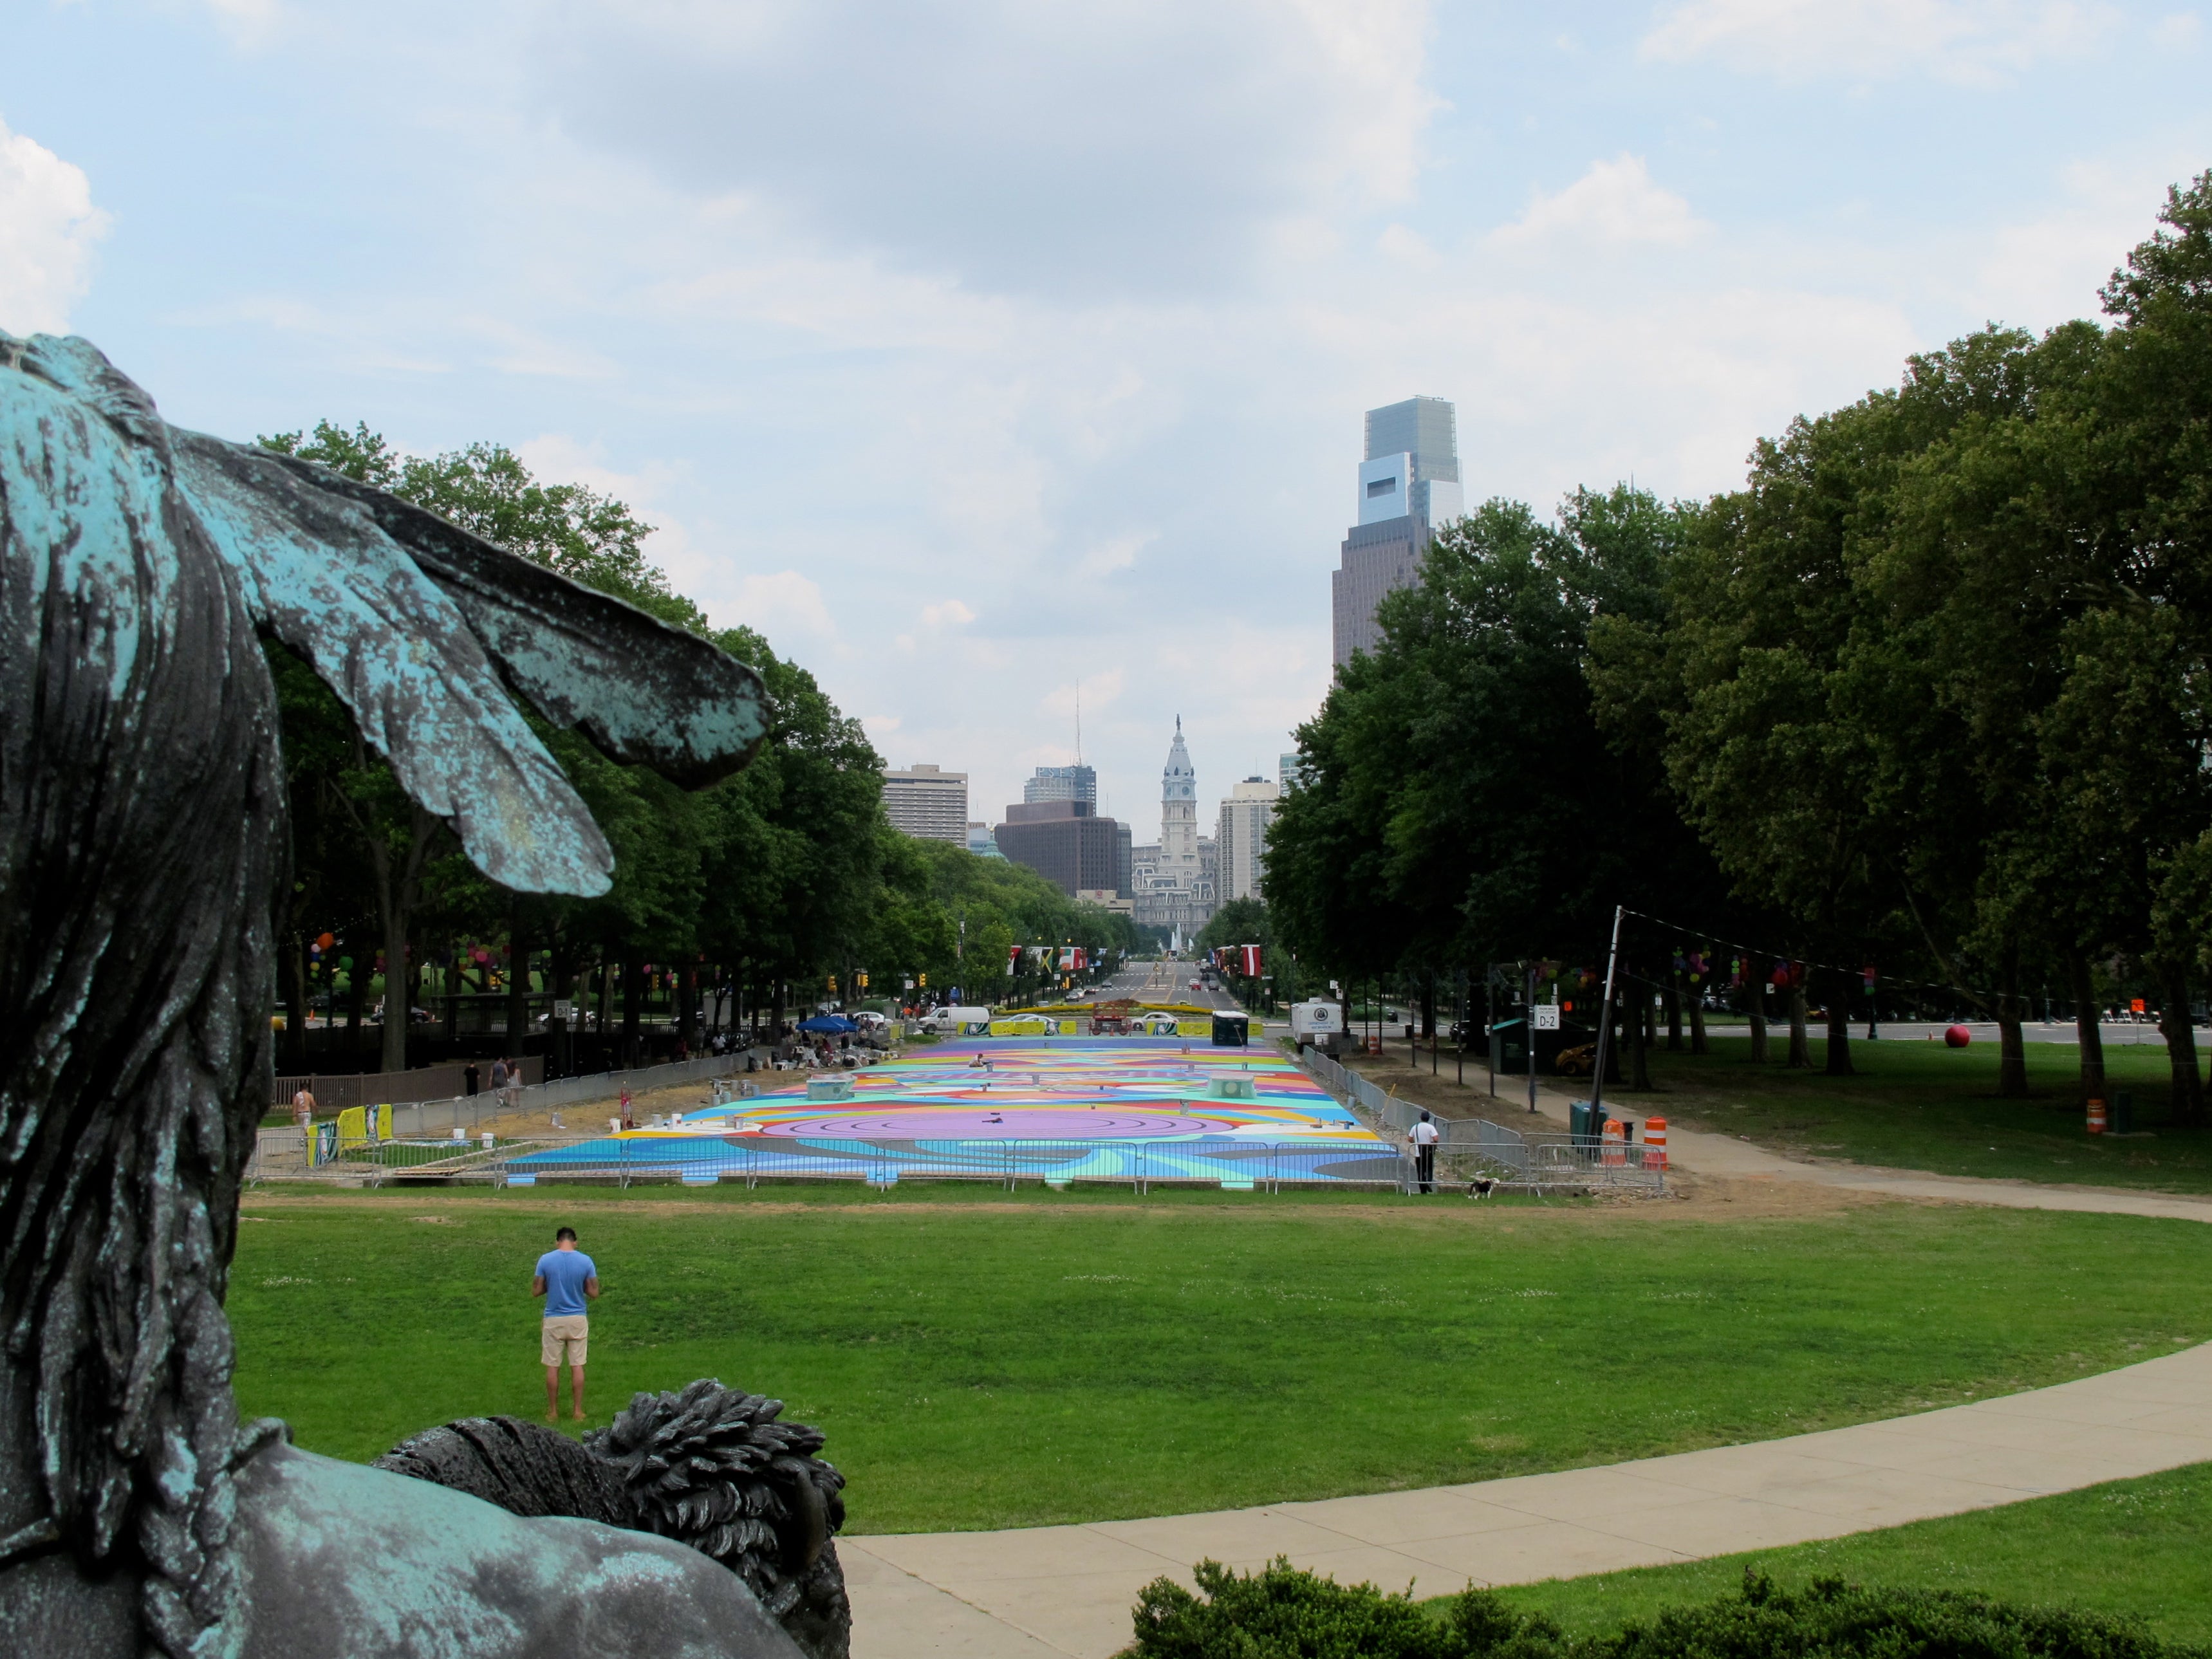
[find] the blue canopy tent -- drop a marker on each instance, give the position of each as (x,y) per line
(829,1024)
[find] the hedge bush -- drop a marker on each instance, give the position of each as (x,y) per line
(1282,1612)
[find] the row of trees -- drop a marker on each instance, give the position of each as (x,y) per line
(1933,689)
(786,875)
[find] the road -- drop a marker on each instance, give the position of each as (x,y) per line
(1166,982)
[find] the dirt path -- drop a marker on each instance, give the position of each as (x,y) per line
(1724,1169)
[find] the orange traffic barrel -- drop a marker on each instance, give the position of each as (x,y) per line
(1616,1141)
(1654,1143)
(2096,1117)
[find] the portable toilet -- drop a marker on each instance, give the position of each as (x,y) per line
(1232,1030)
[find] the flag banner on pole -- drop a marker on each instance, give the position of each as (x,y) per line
(1251,954)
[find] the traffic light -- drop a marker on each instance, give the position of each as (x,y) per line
(921,980)
(863,978)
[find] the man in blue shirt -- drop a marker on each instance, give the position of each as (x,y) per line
(566,1276)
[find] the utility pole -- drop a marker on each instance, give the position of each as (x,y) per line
(1605,1018)
(1529,1034)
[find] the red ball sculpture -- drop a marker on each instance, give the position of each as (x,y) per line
(1958,1036)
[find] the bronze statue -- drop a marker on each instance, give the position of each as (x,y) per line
(142,841)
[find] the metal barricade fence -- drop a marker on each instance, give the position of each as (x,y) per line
(429,1118)
(1472,1146)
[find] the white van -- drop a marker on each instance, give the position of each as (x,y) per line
(960,1022)
(1319,1025)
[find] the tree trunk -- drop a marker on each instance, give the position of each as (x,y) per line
(2012,1049)
(633,983)
(2089,1028)
(686,1014)
(606,1011)
(1801,1051)
(2180,1033)
(1639,1023)
(1756,971)
(775,1012)
(1839,1026)
(1429,1010)
(356,990)
(518,984)
(296,1003)
(1673,997)
(1698,1044)
(1650,1017)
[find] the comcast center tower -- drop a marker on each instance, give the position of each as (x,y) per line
(1409,487)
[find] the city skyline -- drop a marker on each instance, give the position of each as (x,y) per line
(958,425)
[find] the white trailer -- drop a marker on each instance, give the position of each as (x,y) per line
(1318,1025)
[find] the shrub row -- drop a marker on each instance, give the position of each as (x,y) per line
(1282,1612)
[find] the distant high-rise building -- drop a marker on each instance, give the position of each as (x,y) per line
(925,802)
(1240,839)
(1064,842)
(1289,773)
(1409,486)
(1077,782)
(981,842)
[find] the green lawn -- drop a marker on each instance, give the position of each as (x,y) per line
(1917,1105)
(2131,1546)
(1091,1356)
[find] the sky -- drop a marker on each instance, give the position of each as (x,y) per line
(988,355)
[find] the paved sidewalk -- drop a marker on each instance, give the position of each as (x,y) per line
(1048,1591)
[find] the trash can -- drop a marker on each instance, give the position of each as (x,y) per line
(2124,1113)
(1586,1123)
(1232,1031)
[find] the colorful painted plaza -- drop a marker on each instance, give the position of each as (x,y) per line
(1119,1110)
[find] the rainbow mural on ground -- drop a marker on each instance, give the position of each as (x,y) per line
(1119,1110)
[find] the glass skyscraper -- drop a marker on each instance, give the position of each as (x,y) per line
(1409,486)
(1077,782)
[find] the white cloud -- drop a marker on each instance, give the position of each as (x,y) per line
(47,228)
(1615,202)
(1151,146)
(2042,270)
(1970,41)
(951,613)
(2178,31)
(780,604)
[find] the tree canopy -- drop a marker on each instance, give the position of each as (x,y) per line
(1931,687)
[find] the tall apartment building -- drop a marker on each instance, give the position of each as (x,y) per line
(928,804)
(1240,837)
(1409,486)
(1289,773)
(1077,782)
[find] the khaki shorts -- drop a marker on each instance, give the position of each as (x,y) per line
(568,1331)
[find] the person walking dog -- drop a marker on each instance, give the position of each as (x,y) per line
(1423,1138)
(566,1277)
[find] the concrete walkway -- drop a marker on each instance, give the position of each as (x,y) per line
(1720,1155)
(1066,1592)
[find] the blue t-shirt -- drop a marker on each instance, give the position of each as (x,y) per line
(564,1272)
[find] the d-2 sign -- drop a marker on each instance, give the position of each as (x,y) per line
(1548,1016)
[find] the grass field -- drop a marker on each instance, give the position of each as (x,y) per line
(2131,1546)
(1918,1105)
(979,1361)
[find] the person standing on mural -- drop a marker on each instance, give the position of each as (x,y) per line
(565,1278)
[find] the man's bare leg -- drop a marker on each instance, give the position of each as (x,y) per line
(576,1391)
(552,1393)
